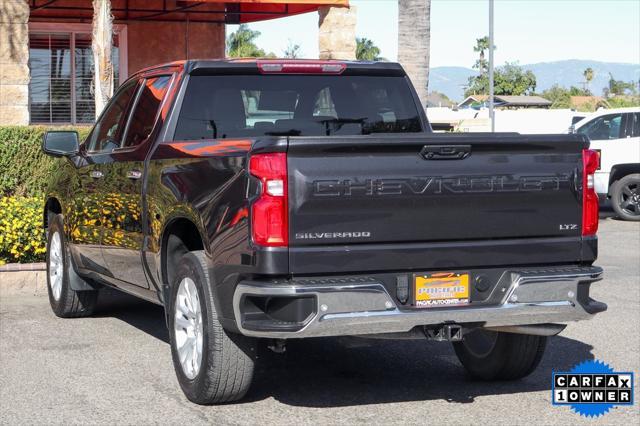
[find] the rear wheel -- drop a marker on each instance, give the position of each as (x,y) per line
(492,355)
(212,365)
(65,301)
(625,197)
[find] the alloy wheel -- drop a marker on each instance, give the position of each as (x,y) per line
(56,266)
(188,328)
(629,201)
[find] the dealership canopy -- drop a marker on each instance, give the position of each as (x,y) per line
(219,11)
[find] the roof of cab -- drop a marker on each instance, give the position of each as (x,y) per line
(250,66)
(244,65)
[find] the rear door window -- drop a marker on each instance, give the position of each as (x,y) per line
(145,112)
(295,105)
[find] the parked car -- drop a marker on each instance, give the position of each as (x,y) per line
(323,206)
(615,134)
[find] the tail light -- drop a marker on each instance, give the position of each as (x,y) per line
(300,67)
(269,213)
(590,163)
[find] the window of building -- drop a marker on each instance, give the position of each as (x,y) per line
(61,65)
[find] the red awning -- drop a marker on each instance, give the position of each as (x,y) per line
(260,10)
(220,11)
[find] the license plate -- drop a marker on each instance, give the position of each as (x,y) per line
(441,289)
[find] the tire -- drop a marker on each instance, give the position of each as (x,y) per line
(223,371)
(65,302)
(625,197)
(491,355)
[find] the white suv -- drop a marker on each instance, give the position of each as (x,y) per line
(616,135)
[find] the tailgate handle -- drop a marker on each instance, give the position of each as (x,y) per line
(445,152)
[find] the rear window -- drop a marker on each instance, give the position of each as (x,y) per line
(218,107)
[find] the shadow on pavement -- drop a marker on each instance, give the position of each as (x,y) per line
(144,316)
(341,372)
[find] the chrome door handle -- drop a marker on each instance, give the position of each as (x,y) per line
(96,174)
(134,174)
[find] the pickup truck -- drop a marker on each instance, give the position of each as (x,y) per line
(265,200)
(615,135)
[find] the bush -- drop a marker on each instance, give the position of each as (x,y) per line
(24,167)
(21,232)
(24,170)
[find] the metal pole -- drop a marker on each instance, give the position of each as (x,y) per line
(491,111)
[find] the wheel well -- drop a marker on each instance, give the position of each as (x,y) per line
(52,206)
(621,170)
(180,236)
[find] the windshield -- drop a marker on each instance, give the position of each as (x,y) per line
(295,105)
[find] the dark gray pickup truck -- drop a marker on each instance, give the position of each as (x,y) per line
(276,200)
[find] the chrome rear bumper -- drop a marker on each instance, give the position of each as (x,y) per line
(537,296)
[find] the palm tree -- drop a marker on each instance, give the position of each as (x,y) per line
(414,37)
(366,50)
(292,51)
(241,44)
(482,44)
(101,47)
(588,76)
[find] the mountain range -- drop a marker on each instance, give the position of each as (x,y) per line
(451,80)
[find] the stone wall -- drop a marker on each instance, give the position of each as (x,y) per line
(337,32)
(14,58)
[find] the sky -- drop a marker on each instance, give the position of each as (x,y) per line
(526,31)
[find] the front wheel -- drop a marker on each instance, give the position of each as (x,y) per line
(65,301)
(212,365)
(625,197)
(492,355)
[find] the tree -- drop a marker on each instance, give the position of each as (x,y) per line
(414,36)
(241,44)
(366,50)
(619,88)
(101,42)
(292,51)
(559,96)
(481,64)
(509,79)
(588,76)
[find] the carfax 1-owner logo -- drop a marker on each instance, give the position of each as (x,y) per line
(592,388)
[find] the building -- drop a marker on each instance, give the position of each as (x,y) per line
(47,67)
(506,102)
(588,103)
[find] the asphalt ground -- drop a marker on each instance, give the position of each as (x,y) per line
(115,367)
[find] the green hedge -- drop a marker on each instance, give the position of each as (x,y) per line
(24,170)
(23,167)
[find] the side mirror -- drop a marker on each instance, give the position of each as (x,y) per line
(61,143)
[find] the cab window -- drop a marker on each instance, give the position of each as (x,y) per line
(106,133)
(603,128)
(145,112)
(633,125)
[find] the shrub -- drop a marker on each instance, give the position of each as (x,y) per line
(23,167)
(24,170)
(21,231)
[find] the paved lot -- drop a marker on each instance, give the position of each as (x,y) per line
(115,368)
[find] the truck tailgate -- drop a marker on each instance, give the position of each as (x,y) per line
(433,188)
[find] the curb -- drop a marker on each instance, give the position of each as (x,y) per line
(23,279)
(15,267)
